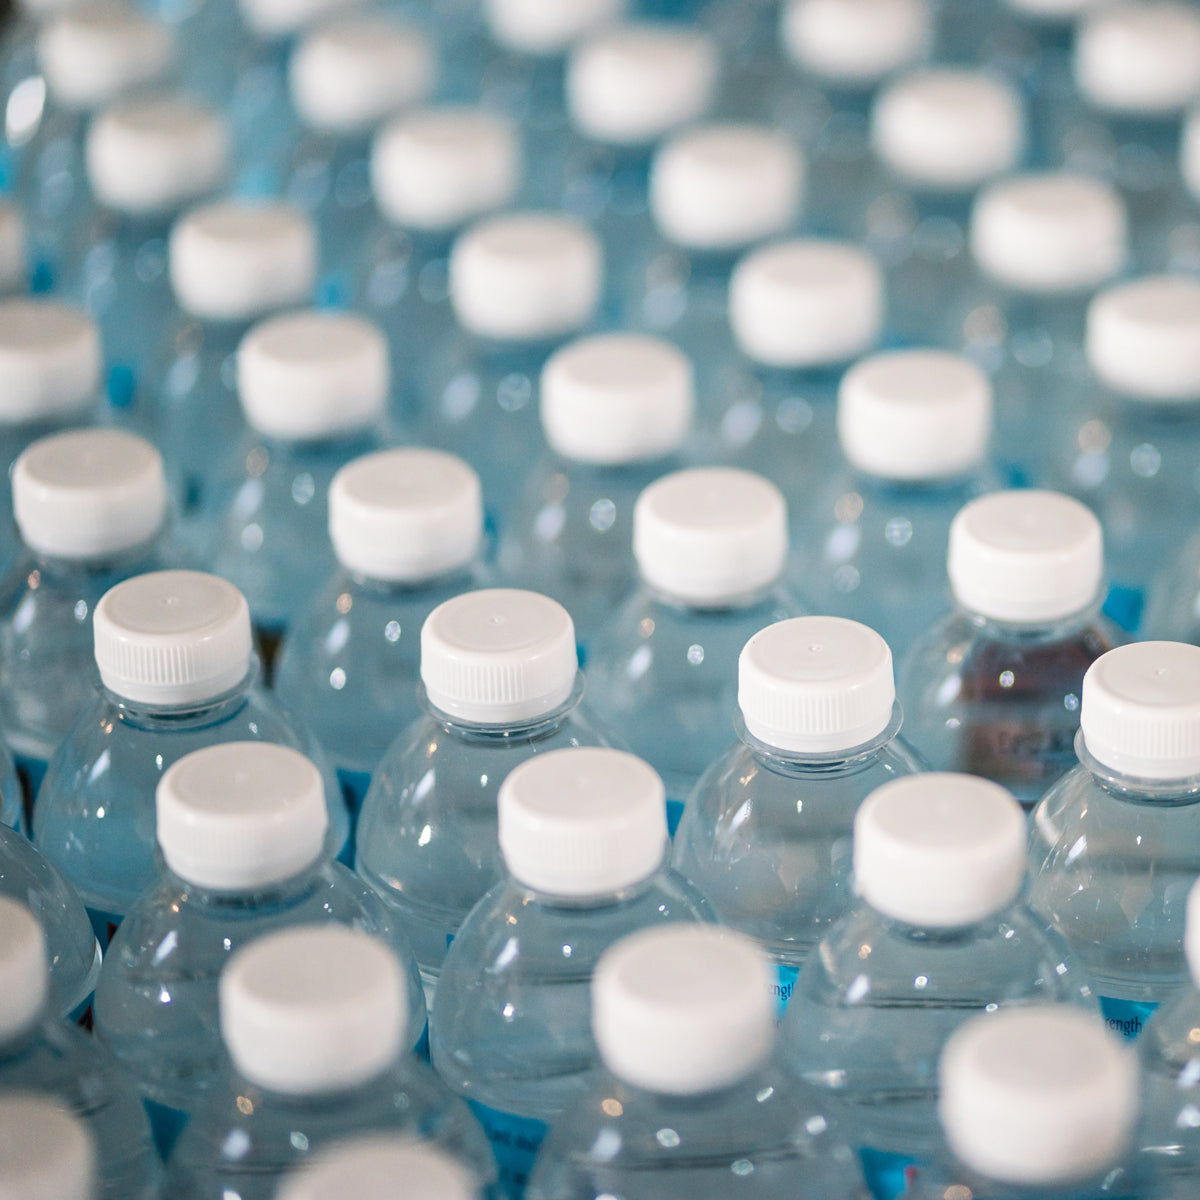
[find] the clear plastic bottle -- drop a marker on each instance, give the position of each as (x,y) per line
(41,1053)
(583,833)
(766,834)
(12,796)
(314,1021)
(711,546)
(313,388)
(72,952)
(46,1153)
(500,684)
(940,932)
(993,688)
(178,673)
(407,529)
(241,830)
(1038,1104)
(91,507)
(616,410)
(913,426)
(520,283)
(691,1102)
(1120,826)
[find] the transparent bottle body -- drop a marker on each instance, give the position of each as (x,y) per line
(1125,1179)
(762,1137)
(59,1060)
(95,817)
(72,952)
(1001,700)
(244,1137)
(427,834)
(1111,860)
(512,1032)
(663,677)
(12,800)
(767,836)
(1173,612)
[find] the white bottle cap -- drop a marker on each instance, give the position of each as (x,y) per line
(45,1152)
(241,815)
(1038,1097)
(277,19)
(1049,233)
(816,685)
(948,129)
(235,261)
(939,850)
(437,168)
(1141,59)
(172,638)
(585,821)
(13,265)
(89,493)
(683,1009)
(547,27)
(149,156)
(631,84)
(1191,934)
(405,515)
(915,415)
(525,277)
(1189,158)
(310,375)
(710,535)
(722,187)
(24,970)
(498,656)
(855,42)
(93,53)
(806,303)
(1140,710)
(1025,556)
(50,361)
(617,398)
(358,70)
(313,1009)
(1143,338)
(371,1167)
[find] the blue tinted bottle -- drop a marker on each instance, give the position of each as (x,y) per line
(584,838)
(766,833)
(407,530)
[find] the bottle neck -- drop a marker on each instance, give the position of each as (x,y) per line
(1180,790)
(282,893)
(807,764)
(194,714)
(506,732)
(1050,630)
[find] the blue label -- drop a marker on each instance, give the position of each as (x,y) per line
(888,1175)
(515,1143)
(1126,1017)
(784,986)
(674,815)
(166,1124)
(105,925)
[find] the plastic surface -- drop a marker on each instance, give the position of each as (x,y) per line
(45,1153)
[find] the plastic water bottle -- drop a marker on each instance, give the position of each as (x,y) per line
(231,263)
(799,312)
(147,158)
(241,829)
(1038,1104)
(994,687)
(313,388)
(407,529)
(616,410)
(91,507)
(314,1019)
(72,952)
(766,834)
(520,284)
(500,685)
(41,1053)
(178,673)
(691,1102)
(45,1152)
(1118,826)
(939,932)
(583,833)
(1129,441)
(711,546)
(913,427)
(50,367)
(368,1167)
(1173,602)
